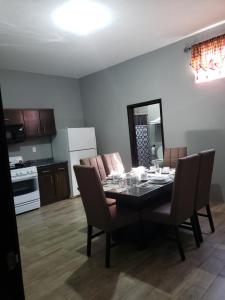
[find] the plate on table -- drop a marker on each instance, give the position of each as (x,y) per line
(114,187)
(165,170)
(144,180)
(151,170)
(160,179)
(110,186)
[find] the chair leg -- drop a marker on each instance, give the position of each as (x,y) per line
(89,234)
(198,227)
(107,249)
(210,218)
(195,230)
(179,244)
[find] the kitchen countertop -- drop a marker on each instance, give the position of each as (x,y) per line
(43,162)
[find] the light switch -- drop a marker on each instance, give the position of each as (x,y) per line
(34,149)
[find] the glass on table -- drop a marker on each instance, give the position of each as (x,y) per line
(137,174)
(156,166)
(123,182)
(135,179)
(115,176)
(131,179)
(128,179)
(144,176)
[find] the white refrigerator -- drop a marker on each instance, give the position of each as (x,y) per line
(72,144)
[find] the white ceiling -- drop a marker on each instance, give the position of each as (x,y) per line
(30,41)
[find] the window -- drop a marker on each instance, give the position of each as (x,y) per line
(208,59)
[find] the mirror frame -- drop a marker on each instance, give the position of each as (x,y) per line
(130,114)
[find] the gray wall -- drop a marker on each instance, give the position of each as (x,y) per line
(28,90)
(193,114)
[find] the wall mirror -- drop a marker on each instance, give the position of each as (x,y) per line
(146,132)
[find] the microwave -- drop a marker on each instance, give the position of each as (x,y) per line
(15,133)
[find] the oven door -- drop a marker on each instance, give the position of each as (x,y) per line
(26,193)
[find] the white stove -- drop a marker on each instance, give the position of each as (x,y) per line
(23,173)
(25,185)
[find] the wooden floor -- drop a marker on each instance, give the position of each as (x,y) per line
(55,267)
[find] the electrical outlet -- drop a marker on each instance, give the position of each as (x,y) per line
(34,149)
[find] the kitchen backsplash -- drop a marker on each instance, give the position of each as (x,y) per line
(26,149)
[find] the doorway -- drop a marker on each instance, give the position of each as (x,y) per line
(146,132)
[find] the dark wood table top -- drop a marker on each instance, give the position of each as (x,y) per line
(139,196)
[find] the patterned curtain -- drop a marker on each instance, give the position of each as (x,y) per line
(208,59)
(143,146)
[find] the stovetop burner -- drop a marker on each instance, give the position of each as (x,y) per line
(17,166)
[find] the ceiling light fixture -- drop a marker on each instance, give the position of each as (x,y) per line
(82,16)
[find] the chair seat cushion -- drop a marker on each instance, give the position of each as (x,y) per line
(159,214)
(110,201)
(121,217)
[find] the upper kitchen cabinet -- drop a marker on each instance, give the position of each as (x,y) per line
(13,116)
(47,121)
(39,122)
(32,123)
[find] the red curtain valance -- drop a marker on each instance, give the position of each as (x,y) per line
(209,56)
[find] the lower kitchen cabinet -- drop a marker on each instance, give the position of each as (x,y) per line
(53,183)
(46,186)
(61,182)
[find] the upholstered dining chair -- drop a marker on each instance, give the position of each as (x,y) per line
(112,162)
(181,206)
(96,161)
(98,213)
(171,156)
(203,187)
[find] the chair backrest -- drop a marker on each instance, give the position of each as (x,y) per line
(204,178)
(92,196)
(112,162)
(171,156)
(184,188)
(96,162)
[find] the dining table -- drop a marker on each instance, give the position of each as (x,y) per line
(139,195)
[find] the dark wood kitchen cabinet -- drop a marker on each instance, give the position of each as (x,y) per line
(46,186)
(13,116)
(53,183)
(32,123)
(47,121)
(61,181)
(39,122)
